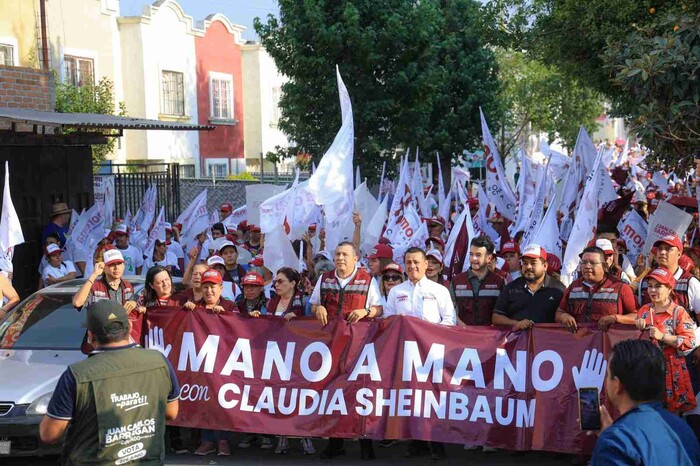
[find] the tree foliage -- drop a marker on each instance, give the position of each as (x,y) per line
(90,98)
(540,98)
(416,73)
(642,55)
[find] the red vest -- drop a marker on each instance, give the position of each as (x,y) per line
(99,291)
(591,304)
(342,301)
(680,290)
(296,306)
(476,308)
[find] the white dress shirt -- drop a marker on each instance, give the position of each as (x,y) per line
(374,297)
(426,300)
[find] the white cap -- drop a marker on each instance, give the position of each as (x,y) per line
(112,256)
(605,245)
(434,253)
(52,249)
(216,260)
(224,244)
(121,228)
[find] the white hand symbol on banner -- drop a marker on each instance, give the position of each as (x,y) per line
(592,372)
(156,341)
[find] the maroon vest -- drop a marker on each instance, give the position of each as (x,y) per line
(476,307)
(342,301)
(296,306)
(591,304)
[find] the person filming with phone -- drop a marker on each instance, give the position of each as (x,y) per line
(645,433)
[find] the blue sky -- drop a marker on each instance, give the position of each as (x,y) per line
(238,11)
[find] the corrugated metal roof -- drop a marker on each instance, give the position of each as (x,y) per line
(92,120)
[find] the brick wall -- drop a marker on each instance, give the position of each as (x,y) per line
(26,88)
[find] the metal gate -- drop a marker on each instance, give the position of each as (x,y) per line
(132,180)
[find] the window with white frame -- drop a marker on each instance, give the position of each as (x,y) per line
(221,96)
(173,92)
(217,168)
(80,71)
(7,52)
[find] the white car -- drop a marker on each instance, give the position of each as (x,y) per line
(39,338)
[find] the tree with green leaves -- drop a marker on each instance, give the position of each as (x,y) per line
(540,98)
(416,72)
(641,55)
(90,98)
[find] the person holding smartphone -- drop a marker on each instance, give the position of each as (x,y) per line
(670,327)
(645,433)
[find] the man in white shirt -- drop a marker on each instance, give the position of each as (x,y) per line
(418,296)
(133,257)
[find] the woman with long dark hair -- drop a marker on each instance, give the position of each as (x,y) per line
(290,300)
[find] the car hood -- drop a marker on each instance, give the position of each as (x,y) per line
(32,373)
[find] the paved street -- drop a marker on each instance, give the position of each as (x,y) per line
(385,456)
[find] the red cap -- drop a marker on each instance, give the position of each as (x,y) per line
(243,226)
(178,226)
(392,267)
(534,251)
(510,246)
(663,275)
(435,240)
(671,240)
(252,278)
(257,261)
(253,228)
(553,263)
(438,220)
(226,207)
(383,240)
(211,276)
(382,251)
(121,229)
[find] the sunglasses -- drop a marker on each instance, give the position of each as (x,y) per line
(392,278)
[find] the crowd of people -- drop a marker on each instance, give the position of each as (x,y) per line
(514,286)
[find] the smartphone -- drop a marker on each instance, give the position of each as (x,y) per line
(589,408)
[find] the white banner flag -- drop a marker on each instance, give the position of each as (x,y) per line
(667,219)
(10,229)
(633,229)
(584,227)
(497,188)
(157,233)
(332,183)
(236,217)
(197,222)
(274,210)
(89,230)
(278,251)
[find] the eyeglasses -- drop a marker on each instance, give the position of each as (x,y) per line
(591,263)
(391,278)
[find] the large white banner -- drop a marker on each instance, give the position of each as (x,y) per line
(256,194)
(633,229)
(666,220)
(497,188)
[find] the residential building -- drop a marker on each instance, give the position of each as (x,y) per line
(160,82)
(220,96)
(18,34)
(262,89)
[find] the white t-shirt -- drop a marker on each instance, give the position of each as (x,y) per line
(170,260)
(426,300)
(176,249)
(61,271)
(230,291)
(374,297)
(133,259)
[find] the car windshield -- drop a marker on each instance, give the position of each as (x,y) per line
(44,321)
